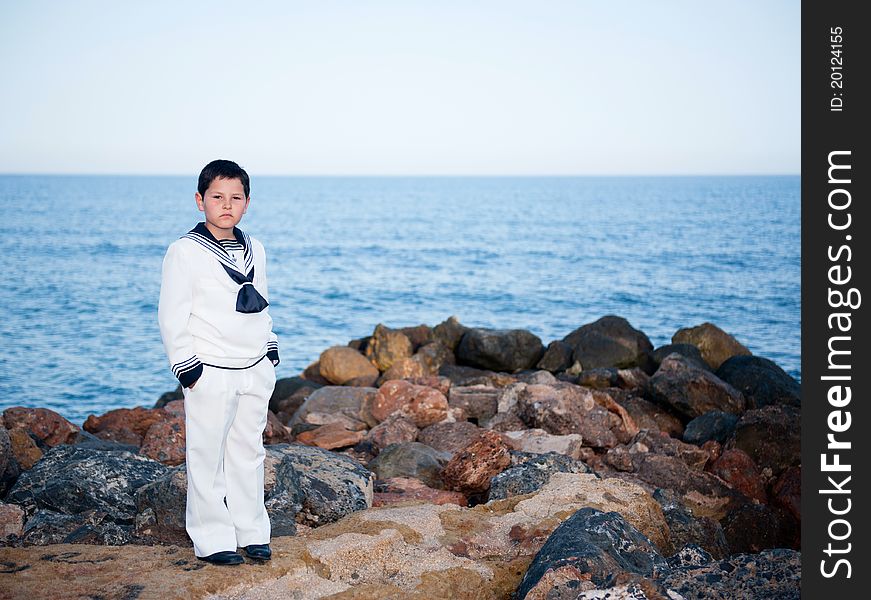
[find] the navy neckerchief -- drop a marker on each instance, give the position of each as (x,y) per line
(248,300)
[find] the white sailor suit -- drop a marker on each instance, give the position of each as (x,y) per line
(217,332)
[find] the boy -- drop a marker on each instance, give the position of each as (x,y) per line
(218,336)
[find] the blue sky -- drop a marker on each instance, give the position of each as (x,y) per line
(381,88)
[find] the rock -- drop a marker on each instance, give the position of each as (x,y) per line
(90,527)
(557,357)
(598,378)
(330,436)
(505,422)
(609,342)
(334,400)
(409,459)
(160,508)
(648,415)
(659,442)
(715,345)
(405,368)
(564,408)
(387,346)
(330,485)
(479,402)
(168,397)
(530,377)
(634,380)
(590,546)
(449,438)
(449,332)
(165,441)
(419,335)
(714,425)
(275,431)
(313,373)
(406,489)
(471,469)
(463,375)
(288,395)
(505,350)
(44,425)
(685,528)
(538,441)
(752,527)
(433,356)
(786,492)
(423,405)
(340,364)
(395,429)
(738,470)
(532,474)
(338,418)
(772,575)
(771,436)
(72,480)
(9,468)
(24,449)
(688,351)
(89,440)
(124,425)
(691,391)
(761,381)
(442,384)
(11,521)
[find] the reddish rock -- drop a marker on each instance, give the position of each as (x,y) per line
(330,436)
(405,489)
(276,432)
(714,450)
(449,437)
(737,469)
(648,415)
(442,384)
(165,441)
(564,408)
(786,492)
(24,449)
(12,521)
(660,442)
(423,405)
(176,407)
(405,368)
(44,424)
(472,468)
(124,425)
(395,429)
(692,391)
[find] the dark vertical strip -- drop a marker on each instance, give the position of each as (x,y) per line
(836,225)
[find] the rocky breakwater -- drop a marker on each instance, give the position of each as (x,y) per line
(444,462)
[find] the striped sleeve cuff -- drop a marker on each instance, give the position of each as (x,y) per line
(272,352)
(188,371)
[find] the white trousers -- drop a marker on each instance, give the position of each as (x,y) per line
(225,415)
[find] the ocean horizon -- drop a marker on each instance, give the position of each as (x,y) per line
(547,254)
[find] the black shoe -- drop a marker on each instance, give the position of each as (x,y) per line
(225,557)
(259,551)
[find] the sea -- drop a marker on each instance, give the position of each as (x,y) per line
(548,254)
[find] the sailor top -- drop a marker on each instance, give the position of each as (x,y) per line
(213,304)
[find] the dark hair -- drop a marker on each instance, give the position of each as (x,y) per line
(222,169)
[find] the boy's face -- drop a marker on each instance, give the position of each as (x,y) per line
(224,204)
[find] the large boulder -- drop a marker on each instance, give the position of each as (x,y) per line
(340,364)
(592,546)
(387,346)
(714,425)
(715,344)
(506,350)
(761,381)
(557,357)
(771,436)
(692,391)
(160,508)
(42,424)
(449,332)
(609,342)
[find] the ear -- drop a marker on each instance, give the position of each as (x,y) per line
(247,202)
(199,200)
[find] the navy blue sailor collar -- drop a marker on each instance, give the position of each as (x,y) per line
(202,236)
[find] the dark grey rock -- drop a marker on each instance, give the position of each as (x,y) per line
(464,375)
(92,527)
(610,342)
(557,357)
(688,351)
(691,555)
(713,425)
(478,401)
(505,350)
(285,500)
(531,472)
(771,436)
(9,467)
(769,575)
(692,391)
(410,459)
(449,332)
(168,397)
(753,527)
(761,381)
(73,480)
(160,508)
(85,439)
(685,528)
(599,546)
(290,393)
(599,378)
